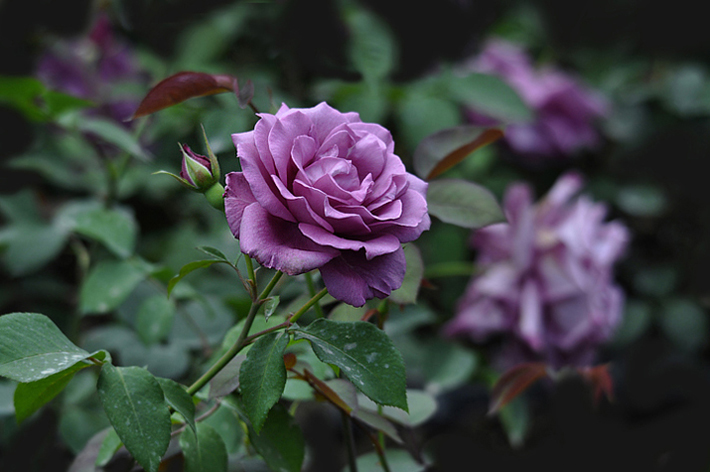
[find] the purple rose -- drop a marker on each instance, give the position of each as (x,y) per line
(91,67)
(565,109)
(320,189)
(546,280)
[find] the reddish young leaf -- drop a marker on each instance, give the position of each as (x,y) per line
(179,87)
(289,360)
(442,150)
(514,382)
(600,379)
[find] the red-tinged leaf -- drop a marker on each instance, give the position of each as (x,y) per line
(600,379)
(442,150)
(289,360)
(179,87)
(514,382)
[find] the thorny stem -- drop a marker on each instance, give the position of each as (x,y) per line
(239,344)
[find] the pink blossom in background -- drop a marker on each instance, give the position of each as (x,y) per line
(546,278)
(320,189)
(565,109)
(91,67)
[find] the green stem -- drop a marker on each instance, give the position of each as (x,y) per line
(239,344)
(250,268)
(312,292)
(309,304)
(349,440)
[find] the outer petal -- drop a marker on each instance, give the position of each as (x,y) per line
(277,244)
(374,247)
(237,197)
(353,279)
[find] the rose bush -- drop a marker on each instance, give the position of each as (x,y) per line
(320,189)
(546,281)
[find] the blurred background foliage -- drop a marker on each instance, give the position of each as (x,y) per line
(90,237)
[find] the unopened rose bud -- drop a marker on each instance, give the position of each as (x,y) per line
(196,170)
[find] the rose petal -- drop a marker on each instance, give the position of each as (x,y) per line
(237,197)
(354,279)
(374,247)
(277,244)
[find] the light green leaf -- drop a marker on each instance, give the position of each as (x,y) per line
(110,444)
(490,96)
(177,397)
(134,403)
(280,441)
(204,451)
(262,376)
(108,284)
(30,246)
(373,51)
(112,133)
(115,228)
(33,348)
(270,306)
(227,380)
(397,459)
(365,355)
(190,267)
(463,203)
(154,319)
(409,290)
(31,396)
(420,114)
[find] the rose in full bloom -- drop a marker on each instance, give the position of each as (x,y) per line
(565,110)
(320,189)
(546,282)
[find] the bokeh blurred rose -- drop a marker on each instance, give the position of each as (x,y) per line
(565,110)
(97,67)
(546,278)
(320,189)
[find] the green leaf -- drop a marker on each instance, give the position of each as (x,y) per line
(33,348)
(463,203)
(134,403)
(154,319)
(420,114)
(110,444)
(373,51)
(397,459)
(190,267)
(422,406)
(21,93)
(204,451)
(262,376)
(108,284)
(280,441)
(214,252)
(112,133)
(365,354)
(270,306)
(177,397)
(490,96)
(31,396)
(228,424)
(227,380)
(445,148)
(685,324)
(409,290)
(114,228)
(30,246)
(515,418)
